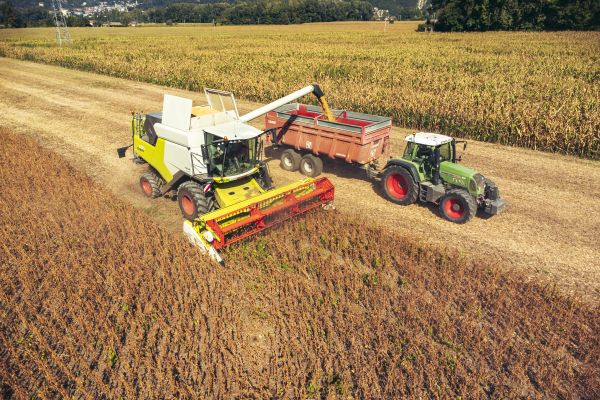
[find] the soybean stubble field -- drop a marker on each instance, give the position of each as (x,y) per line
(537,90)
(98,299)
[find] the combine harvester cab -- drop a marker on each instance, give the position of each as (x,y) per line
(212,157)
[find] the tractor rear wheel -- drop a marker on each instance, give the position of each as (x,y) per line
(399,185)
(290,160)
(458,206)
(311,165)
(192,200)
(150,182)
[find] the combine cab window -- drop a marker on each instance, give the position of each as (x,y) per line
(231,157)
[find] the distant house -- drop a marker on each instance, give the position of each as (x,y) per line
(379,14)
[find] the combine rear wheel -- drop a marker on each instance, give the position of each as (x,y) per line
(399,185)
(458,206)
(311,166)
(290,160)
(150,182)
(192,200)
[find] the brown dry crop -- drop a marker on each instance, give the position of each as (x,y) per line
(98,301)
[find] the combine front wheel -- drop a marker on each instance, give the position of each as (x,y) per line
(399,185)
(458,206)
(192,200)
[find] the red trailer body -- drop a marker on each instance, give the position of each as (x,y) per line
(354,137)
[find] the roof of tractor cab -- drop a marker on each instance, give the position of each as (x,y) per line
(428,139)
(234,130)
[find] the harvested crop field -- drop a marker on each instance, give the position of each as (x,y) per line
(550,230)
(98,300)
(532,89)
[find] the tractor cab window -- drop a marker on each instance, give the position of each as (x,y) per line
(446,152)
(231,157)
(408,151)
(425,152)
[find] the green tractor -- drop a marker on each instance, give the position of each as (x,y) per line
(429,172)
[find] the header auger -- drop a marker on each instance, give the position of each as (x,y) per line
(212,157)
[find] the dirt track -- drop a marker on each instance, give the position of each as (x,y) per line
(550,229)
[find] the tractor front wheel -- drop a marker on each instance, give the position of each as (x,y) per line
(150,182)
(192,200)
(458,206)
(399,185)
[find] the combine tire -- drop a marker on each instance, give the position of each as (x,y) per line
(311,166)
(192,200)
(290,160)
(399,185)
(150,183)
(458,206)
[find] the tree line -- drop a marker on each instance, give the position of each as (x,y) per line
(486,15)
(239,13)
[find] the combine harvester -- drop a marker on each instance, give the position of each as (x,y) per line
(212,157)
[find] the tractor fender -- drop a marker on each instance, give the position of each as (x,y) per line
(406,165)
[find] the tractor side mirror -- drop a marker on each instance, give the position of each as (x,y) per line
(204,151)
(465,146)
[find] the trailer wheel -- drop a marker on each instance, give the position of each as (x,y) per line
(458,206)
(311,165)
(150,182)
(399,185)
(192,200)
(290,160)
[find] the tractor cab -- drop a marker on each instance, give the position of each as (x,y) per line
(429,151)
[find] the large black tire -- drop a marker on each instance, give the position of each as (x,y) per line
(311,165)
(290,160)
(458,206)
(150,182)
(399,185)
(192,200)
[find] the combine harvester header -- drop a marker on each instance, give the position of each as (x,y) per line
(212,157)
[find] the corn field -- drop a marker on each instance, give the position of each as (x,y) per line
(98,301)
(535,90)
